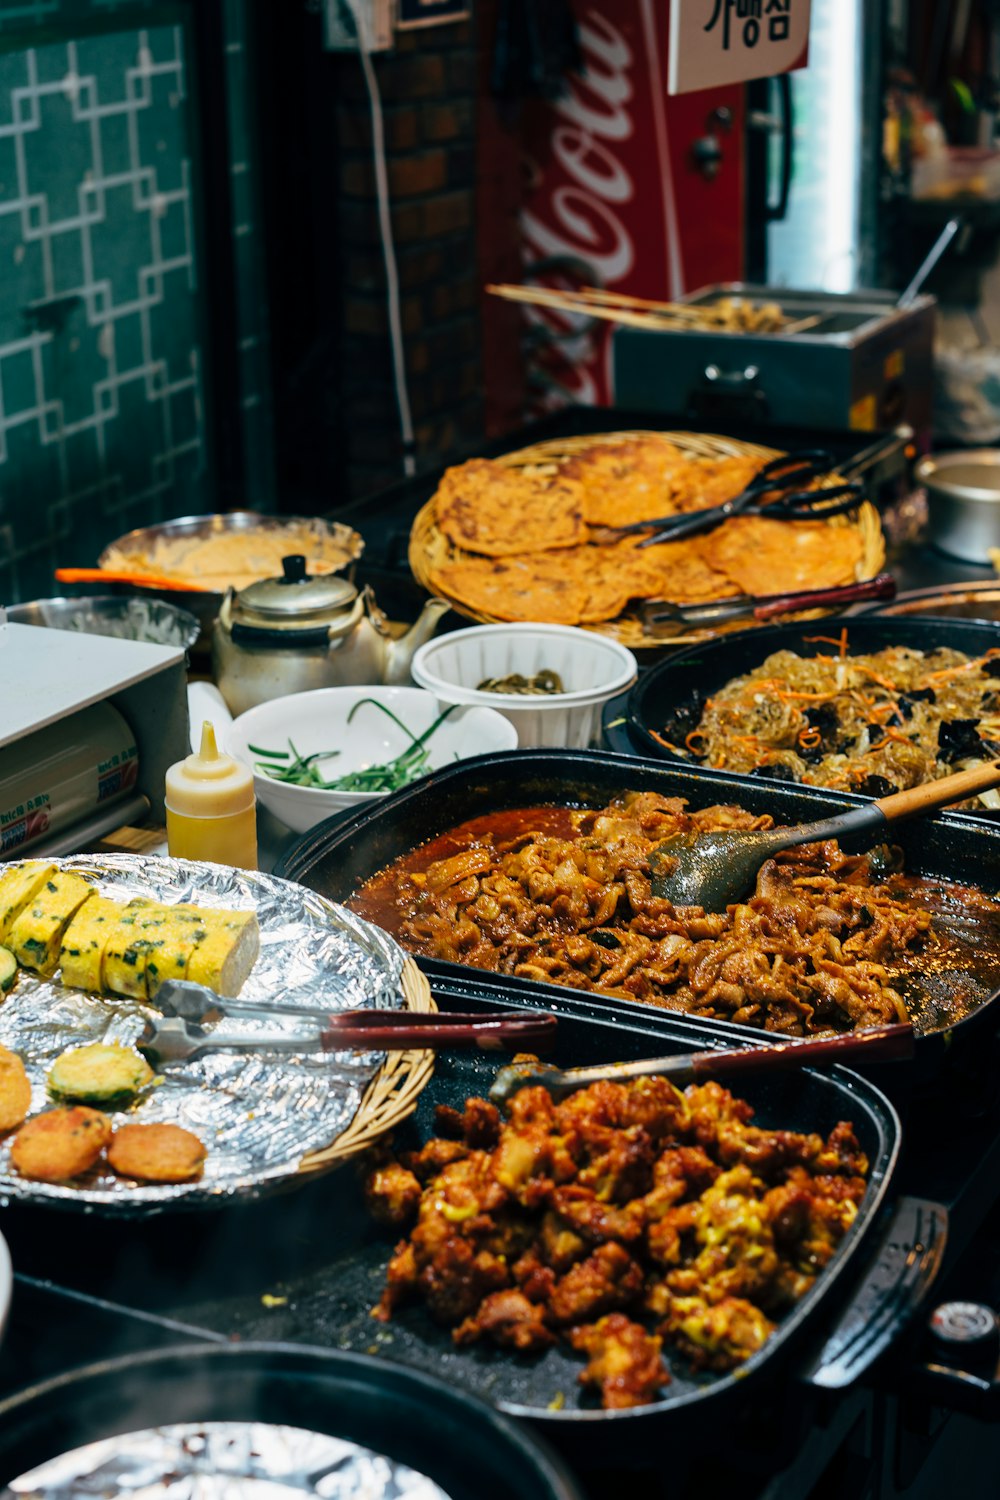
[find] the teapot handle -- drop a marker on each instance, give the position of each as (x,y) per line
(258,635)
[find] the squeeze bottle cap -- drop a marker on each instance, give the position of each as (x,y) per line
(209,784)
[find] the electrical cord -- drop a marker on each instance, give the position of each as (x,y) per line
(388,246)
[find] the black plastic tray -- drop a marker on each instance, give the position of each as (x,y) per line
(336,857)
(706,668)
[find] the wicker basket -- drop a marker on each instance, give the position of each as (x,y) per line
(392,1094)
(430,548)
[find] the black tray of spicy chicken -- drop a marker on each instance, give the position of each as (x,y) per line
(948,994)
(665,707)
(312,1274)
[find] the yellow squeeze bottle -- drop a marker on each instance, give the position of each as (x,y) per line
(211,808)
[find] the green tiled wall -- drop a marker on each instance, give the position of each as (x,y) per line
(102,330)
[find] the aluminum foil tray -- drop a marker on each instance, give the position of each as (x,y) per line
(219,1460)
(257,1114)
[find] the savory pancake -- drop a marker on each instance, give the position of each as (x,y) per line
(491,508)
(511,588)
(629,481)
(683,574)
(765,557)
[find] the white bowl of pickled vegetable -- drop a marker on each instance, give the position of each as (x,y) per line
(318,753)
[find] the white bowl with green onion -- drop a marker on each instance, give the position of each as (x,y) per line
(318,753)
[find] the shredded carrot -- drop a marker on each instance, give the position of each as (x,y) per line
(810,738)
(807,697)
(885,682)
(696,734)
(890,734)
(667,744)
(828,640)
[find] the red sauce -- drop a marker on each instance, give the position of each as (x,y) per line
(377,899)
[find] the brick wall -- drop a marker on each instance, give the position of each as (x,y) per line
(429,87)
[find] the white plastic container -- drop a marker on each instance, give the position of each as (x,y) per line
(593,669)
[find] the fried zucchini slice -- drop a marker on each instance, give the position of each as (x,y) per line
(17,886)
(15,1090)
(105,1074)
(156,1153)
(60,1144)
(223,960)
(82,950)
(36,934)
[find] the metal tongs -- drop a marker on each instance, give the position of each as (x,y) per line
(178,1036)
(776,490)
(878,1044)
(659,617)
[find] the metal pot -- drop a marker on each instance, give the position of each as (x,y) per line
(963,501)
(127,619)
(295,633)
(471,1451)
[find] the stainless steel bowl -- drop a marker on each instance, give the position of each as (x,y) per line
(201,602)
(127,618)
(963,501)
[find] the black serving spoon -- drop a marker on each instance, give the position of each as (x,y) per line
(712,870)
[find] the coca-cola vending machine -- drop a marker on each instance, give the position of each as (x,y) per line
(617,185)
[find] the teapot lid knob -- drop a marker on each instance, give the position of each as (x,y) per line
(293,568)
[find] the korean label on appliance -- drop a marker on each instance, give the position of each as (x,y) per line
(713,42)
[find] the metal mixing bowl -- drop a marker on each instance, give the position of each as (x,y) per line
(202,603)
(963,501)
(127,618)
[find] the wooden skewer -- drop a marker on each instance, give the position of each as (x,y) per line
(615,309)
(560,302)
(800,325)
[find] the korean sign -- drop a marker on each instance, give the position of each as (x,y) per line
(714,42)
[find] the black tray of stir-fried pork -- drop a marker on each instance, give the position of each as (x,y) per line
(865,705)
(535,866)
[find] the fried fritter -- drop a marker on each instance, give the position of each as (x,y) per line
(60,1144)
(15,1090)
(156,1153)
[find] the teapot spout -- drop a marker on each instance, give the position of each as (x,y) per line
(401,650)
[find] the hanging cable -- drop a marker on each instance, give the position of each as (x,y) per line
(388,247)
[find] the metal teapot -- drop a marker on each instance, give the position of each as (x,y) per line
(291,634)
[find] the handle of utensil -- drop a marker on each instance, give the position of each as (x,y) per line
(934,794)
(882,587)
(489,1036)
(875,453)
(876,816)
(106,575)
(879,1044)
(903,1265)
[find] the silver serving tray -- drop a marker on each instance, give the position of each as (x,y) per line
(258,1114)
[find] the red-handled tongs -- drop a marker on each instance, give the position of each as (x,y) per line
(876,1044)
(659,617)
(177,1037)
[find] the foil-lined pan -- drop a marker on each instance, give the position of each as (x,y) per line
(257,1114)
(219,1460)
